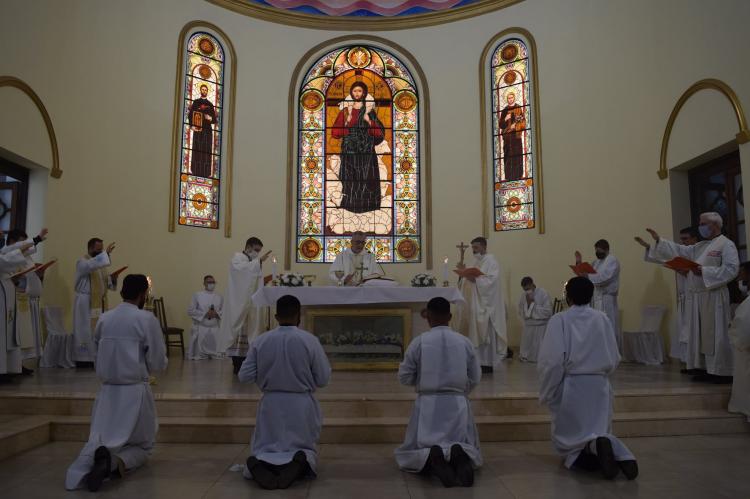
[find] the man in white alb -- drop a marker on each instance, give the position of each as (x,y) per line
(205,311)
(129,346)
(10,343)
(92,281)
(606,282)
(482,317)
(241,320)
(355,262)
(739,335)
(534,309)
(708,347)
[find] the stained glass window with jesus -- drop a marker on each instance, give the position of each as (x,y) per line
(358,156)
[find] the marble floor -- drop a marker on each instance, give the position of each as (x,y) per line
(213,378)
(671,467)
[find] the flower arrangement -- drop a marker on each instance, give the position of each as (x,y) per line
(292,279)
(423,281)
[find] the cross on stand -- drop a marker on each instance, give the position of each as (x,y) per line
(462,248)
(361,271)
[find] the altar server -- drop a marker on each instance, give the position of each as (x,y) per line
(288,365)
(241,320)
(10,343)
(129,346)
(534,309)
(355,262)
(708,346)
(441,438)
(606,284)
(205,311)
(578,354)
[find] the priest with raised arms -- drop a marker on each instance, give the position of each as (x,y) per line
(709,351)
(10,343)
(355,262)
(129,346)
(482,317)
(579,353)
(92,281)
(288,365)
(441,438)
(241,320)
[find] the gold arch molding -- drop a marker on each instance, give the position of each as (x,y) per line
(12,81)
(352,23)
(742,136)
(486,133)
(177,124)
(291,161)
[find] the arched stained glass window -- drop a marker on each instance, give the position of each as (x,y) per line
(202,127)
(514,168)
(358,164)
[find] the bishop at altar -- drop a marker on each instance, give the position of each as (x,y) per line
(355,262)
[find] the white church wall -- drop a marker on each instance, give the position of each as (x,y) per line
(609,75)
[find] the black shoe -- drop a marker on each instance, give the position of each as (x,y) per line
(100,470)
(440,467)
(509,353)
(629,468)
(693,372)
(262,475)
(294,470)
(462,465)
(606,457)
(721,380)
(703,377)
(487,370)
(84,365)
(586,461)
(26,372)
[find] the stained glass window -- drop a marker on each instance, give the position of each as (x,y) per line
(202,126)
(512,152)
(358,165)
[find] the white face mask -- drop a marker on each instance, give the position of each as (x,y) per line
(529,292)
(210,286)
(252,254)
(705,231)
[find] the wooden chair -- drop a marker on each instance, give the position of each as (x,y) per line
(169,332)
(557,306)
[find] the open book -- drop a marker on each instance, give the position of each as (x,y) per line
(370,277)
(472,272)
(45,266)
(117,272)
(680,263)
(583,268)
(23,272)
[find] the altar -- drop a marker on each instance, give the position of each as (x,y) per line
(361,327)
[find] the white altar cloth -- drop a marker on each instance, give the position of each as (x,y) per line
(351,295)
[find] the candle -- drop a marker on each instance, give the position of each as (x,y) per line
(445,269)
(273,268)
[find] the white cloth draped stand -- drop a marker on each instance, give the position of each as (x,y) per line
(58,349)
(645,346)
(354,295)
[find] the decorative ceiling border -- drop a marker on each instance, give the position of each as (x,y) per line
(363,23)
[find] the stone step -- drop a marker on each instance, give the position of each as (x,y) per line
(368,430)
(358,406)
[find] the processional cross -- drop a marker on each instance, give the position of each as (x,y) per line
(462,248)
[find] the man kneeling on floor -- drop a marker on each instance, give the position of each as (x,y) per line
(129,345)
(578,354)
(288,365)
(443,366)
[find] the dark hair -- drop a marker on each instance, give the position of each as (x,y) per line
(287,307)
(479,239)
(579,290)
(363,86)
(603,244)
(92,242)
(526,280)
(252,241)
(133,285)
(439,306)
(692,232)
(207,276)
(203,85)
(16,235)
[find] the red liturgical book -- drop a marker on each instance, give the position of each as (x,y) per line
(469,272)
(679,263)
(24,272)
(583,268)
(118,272)
(267,279)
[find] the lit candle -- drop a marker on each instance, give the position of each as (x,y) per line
(445,269)
(273,268)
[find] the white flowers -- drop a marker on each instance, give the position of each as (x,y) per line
(292,279)
(423,281)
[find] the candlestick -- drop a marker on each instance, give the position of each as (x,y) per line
(273,268)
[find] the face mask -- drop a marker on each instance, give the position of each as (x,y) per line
(743,287)
(601,255)
(529,292)
(210,286)
(705,231)
(252,254)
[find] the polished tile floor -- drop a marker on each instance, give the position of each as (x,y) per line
(705,467)
(213,378)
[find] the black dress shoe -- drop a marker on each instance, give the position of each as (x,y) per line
(100,470)
(440,467)
(26,372)
(629,468)
(606,457)
(487,370)
(701,378)
(692,372)
(294,470)
(461,463)
(721,380)
(262,475)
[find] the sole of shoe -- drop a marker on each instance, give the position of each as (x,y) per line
(606,457)
(462,465)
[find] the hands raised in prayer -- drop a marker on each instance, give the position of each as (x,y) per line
(653,234)
(111,248)
(643,243)
(26,247)
(265,256)
(43,234)
(579,257)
